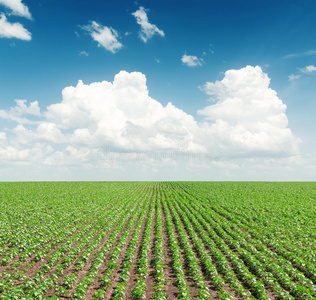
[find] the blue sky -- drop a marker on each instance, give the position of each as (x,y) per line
(240,75)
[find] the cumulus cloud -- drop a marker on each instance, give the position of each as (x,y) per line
(12,154)
(17,7)
(16,113)
(13,30)
(107,37)
(111,124)
(46,131)
(148,30)
(122,115)
(191,61)
(248,117)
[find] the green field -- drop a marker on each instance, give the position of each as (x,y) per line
(158,240)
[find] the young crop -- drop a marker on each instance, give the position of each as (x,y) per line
(160,280)
(157,240)
(139,291)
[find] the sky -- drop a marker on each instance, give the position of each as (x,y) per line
(157,90)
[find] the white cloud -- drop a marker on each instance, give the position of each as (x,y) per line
(248,118)
(148,30)
(18,8)
(12,154)
(3,138)
(295,55)
(107,37)
(113,125)
(46,131)
(122,115)
(293,77)
(191,61)
(308,69)
(83,53)
(21,109)
(13,30)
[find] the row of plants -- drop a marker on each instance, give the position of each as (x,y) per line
(121,231)
(263,271)
(160,280)
(30,234)
(191,260)
(304,258)
(50,273)
(267,260)
(114,249)
(220,260)
(177,265)
(139,290)
(80,256)
(80,240)
(123,281)
(241,270)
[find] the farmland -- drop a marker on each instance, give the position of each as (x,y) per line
(157,240)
